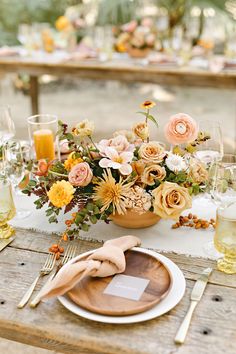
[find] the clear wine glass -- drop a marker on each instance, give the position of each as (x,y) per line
(222,189)
(15,169)
(212,149)
(7,132)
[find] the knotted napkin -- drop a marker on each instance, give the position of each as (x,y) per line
(105,261)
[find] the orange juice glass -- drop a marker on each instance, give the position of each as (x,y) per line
(43,138)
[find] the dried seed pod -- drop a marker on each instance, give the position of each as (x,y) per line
(190,216)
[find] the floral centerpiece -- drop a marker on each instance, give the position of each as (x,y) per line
(136,38)
(128,174)
(71,26)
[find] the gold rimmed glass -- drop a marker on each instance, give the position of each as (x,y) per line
(225,238)
(7,208)
(43,136)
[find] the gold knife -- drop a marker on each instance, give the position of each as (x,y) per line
(4,242)
(196,296)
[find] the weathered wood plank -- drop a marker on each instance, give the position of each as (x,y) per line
(192,267)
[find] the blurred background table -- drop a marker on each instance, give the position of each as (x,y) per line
(123,70)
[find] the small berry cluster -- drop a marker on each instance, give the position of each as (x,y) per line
(57,250)
(193,221)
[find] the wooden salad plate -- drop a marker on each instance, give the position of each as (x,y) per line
(89,292)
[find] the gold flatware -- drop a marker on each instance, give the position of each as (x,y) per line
(4,242)
(46,269)
(196,296)
(69,254)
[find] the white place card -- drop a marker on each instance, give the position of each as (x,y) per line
(127,286)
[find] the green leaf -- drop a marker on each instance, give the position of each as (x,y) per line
(143,113)
(49,212)
(78,219)
(32,183)
(150,117)
(93,219)
(85,227)
(90,206)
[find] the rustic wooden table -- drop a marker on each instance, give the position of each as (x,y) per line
(122,70)
(51,326)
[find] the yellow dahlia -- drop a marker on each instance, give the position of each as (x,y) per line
(148,104)
(61,193)
(109,192)
(71,161)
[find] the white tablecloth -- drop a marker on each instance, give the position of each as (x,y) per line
(160,236)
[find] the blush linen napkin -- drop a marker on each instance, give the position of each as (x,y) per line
(105,261)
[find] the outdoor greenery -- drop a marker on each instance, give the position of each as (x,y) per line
(14,12)
(115,12)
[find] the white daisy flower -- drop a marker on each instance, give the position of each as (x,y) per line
(175,163)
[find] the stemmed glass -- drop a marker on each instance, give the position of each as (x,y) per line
(15,166)
(222,189)
(7,131)
(212,149)
(7,208)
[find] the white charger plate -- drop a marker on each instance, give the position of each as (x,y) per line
(170,301)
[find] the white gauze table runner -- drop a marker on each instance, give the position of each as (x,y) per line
(184,240)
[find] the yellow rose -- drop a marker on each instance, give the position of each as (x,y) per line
(141,130)
(61,193)
(71,161)
(152,152)
(152,173)
(170,200)
(84,128)
(198,172)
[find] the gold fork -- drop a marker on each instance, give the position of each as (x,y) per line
(69,254)
(46,269)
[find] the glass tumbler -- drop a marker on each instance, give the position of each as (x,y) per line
(43,136)
(225,238)
(7,208)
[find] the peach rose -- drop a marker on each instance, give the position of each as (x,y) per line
(152,173)
(198,172)
(170,200)
(180,129)
(141,130)
(80,175)
(152,152)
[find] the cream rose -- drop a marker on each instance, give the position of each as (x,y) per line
(170,200)
(152,152)
(141,130)
(152,173)
(84,128)
(198,172)
(80,175)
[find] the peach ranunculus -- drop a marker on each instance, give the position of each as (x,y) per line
(152,152)
(198,172)
(153,173)
(181,129)
(141,130)
(170,200)
(80,175)
(119,143)
(130,26)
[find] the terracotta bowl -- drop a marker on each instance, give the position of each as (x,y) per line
(133,220)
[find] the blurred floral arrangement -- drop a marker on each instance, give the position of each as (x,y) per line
(135,35)
(72,24)
(126,172)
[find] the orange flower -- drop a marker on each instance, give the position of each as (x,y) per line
(62,23)
(43,167)
(148,104)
